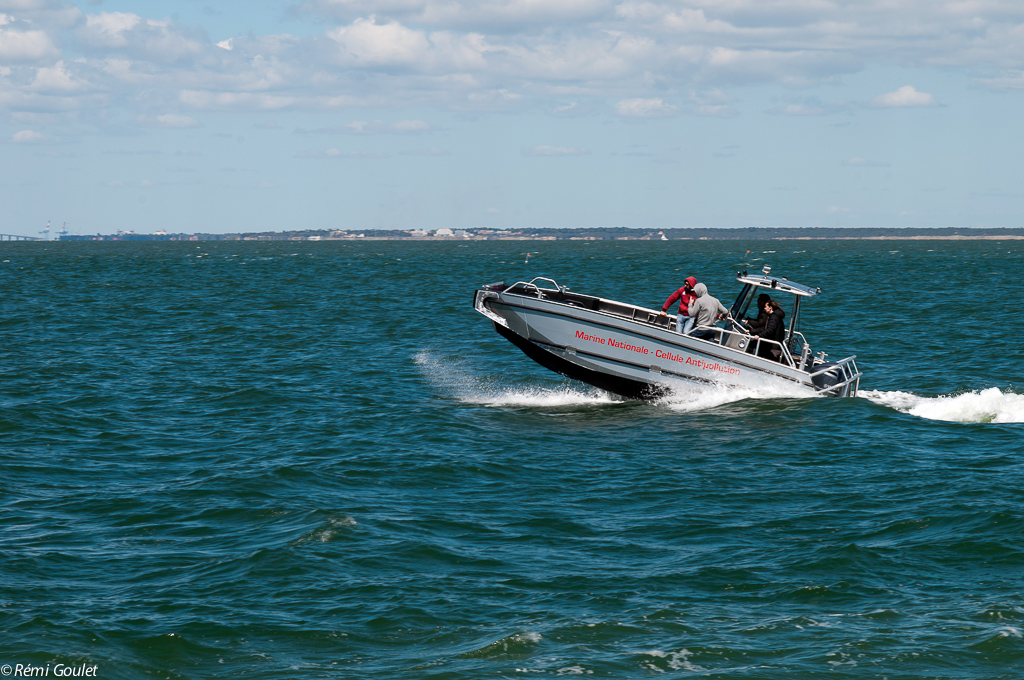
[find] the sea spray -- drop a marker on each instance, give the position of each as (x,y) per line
(695,396)
(990,405)
(455,377)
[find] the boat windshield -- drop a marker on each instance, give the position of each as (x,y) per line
(754,285)
(746,307)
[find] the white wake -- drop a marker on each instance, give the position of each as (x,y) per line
(991,405)
(687,397)
(458,380)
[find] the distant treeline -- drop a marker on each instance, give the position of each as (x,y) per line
(595,233)
(837,232)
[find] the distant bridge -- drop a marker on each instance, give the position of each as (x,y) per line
(15,237)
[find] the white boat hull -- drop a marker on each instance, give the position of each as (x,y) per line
(629,350)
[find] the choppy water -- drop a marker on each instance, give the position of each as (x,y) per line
(275,460)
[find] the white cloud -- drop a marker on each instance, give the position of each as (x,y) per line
(160,41)
(372,44)
(644,108)
(109,28)
(362,127)
(811,106)
(601,58)
(712,103)
(719,110)
(387,44)
(555,151)
(1010,81)
(336,153)
(493,99)
(905,96)
(29,137)
(205,99)
(803,110)
(465,13)
(26,46)
(173,120)
(695,21)
(504,54)
(56,78)
(50,12)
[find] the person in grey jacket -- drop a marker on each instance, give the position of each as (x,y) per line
(705,310)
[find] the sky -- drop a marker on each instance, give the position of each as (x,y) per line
(229,116)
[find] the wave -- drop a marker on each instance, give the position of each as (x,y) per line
(541,396)
(459,381)
(328,531)
(991,405)
(659,661)
(703,396)
(486,392)
(517,645)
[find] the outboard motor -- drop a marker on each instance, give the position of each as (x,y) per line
(830,377)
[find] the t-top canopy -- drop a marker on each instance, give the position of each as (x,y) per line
(779,283)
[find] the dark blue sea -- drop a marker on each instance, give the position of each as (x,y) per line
(315,460)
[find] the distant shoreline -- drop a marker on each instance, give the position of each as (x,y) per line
(1011,237)
(959,237)
(584,234)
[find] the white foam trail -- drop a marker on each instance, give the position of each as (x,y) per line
(540,397)
(987,406)
(456,379)
(702,396)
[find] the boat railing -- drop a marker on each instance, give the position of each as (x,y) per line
(734,339)
(799,347)
(532,283)
(534,280)
(849,377)
(560,294)
(740,340)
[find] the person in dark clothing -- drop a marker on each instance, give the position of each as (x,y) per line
(756,327)
(774,329)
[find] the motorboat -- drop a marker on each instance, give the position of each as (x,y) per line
(637,352)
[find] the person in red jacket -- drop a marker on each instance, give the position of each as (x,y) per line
(685,295)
